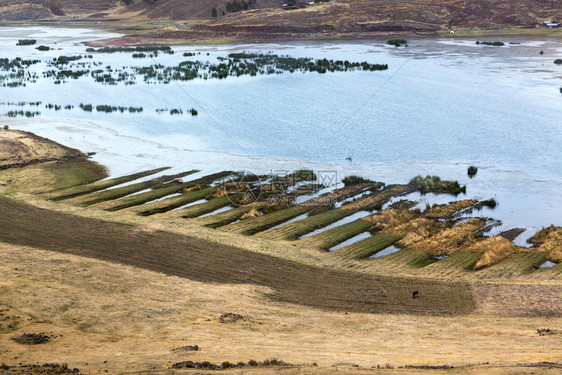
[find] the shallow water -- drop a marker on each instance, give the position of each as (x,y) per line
(442,105)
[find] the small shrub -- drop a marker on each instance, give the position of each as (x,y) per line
(434,184)
(491,203)
(253,363)
(472,170)
(558,61)
(377,186)
(86,107)
(302,175)
(355,180)
(31,339)
(398,42)
(496,44)
(226,364)
(6,127)
(26,42)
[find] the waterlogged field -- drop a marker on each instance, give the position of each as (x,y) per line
(441,106)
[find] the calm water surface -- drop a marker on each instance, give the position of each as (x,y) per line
(441,106)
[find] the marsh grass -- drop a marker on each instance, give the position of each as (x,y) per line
(398,42)
(354,180)
(434,184)
(495,44)
(79,190)
(26,42)
(472,170)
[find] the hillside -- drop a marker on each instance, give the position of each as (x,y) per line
(137,9)
(340,15)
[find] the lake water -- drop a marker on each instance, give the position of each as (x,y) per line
(441,106)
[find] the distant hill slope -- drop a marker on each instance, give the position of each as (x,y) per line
(138,9)
(347,15)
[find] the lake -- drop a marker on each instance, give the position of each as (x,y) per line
(442,105)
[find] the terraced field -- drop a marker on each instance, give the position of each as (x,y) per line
(420,237)
(294,230)
(367,247)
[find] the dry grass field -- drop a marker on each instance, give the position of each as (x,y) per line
(134,319)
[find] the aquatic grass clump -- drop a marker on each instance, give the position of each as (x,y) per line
(434,184)
(56,107)
(558,61)
(355,180)
(66,59)
(26,42)
(22,113)
(496,44)
(398,42)
(490,203)
(542,235)
(165,49)
(63,68)
(43,48)
(472,170)
(303,175)
(109,109)
(86,107)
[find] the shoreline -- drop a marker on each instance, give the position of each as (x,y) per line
(153,33)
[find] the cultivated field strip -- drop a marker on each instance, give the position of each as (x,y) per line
(223,218)
(159,192)
(405,260)
(171,203)
(515,265)
(79,190)
(377,199)
(123,191)
(367,247)
(294,230)
(258,224)
(332,237)
(348,192)
(203,208)
(455,264)
(207,261)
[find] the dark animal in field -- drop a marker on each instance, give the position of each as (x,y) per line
(415,294)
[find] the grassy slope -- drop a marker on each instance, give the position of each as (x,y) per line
(209,262)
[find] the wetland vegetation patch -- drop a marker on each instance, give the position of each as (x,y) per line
(15,73)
